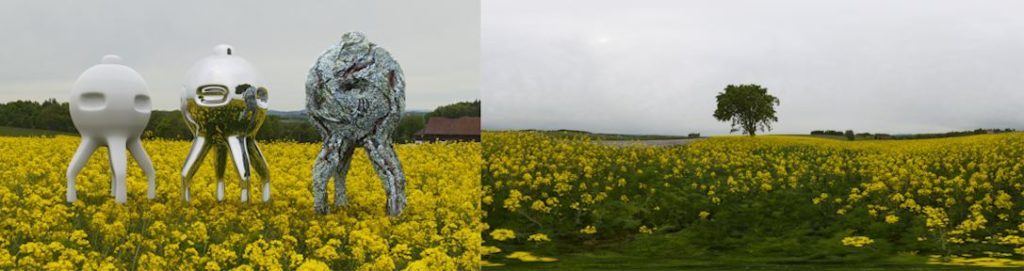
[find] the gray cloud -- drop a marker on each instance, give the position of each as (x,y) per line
(655,66)
(47,44)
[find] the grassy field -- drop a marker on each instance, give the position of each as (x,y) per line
(17,132)
(604,260)
(658,252)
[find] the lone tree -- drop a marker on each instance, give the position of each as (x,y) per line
(749,107)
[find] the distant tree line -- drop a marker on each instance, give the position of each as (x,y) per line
(827,132)
(55,116)
(411,123)
(455,110)
(48,115)
(850,135)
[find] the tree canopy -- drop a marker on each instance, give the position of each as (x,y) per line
(749,107)
(455,110)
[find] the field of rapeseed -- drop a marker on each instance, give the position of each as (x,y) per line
(767,196)
(439,230)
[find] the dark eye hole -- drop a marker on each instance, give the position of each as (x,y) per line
(242,88)
(261,94)
(93,101)
(212,93)
(142,103)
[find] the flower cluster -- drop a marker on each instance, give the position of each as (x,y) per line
(439,230)
(857,241)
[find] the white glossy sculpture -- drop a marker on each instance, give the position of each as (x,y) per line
(110,106)
(224,104)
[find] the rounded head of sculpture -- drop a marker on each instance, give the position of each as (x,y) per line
(110,99)
(224,91)
(358,86)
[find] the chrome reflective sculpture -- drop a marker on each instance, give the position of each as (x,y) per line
(110,106)
(355,95)
(225,103)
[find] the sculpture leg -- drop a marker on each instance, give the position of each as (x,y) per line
(340,197)
(117,145)
(113,179)
(240,157)
(200,146)
(141,157)
(221,159)
(259,163)
(85,149)
(389,169)
(324,166)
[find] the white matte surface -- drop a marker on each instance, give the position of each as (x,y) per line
(110,106)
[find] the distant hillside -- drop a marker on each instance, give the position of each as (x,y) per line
(297,114)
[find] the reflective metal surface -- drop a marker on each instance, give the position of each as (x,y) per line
(224,106)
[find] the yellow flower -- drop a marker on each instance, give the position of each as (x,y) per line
(892,219)
(589,230)
(528,257)
(503,234)
(857,241)
(539,237)
(313,265)
(443,215)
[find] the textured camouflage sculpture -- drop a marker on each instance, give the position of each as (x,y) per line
(355,95)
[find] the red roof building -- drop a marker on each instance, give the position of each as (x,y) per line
(449,129)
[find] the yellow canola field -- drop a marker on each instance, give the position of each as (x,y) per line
(961,195)
(439,230)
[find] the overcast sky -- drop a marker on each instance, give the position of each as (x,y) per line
(45,45)
(656,66)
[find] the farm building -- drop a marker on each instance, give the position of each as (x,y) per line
(450,129)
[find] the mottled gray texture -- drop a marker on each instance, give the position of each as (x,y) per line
(355,95)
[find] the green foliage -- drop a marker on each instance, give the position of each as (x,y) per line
(455,110)
(51,115)
(276,128)
(749,107)
(167,124)
(48,115)
(16,132)
(411,123)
